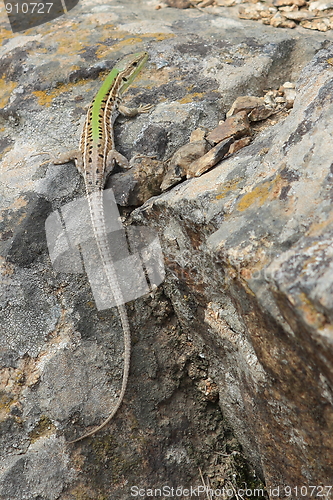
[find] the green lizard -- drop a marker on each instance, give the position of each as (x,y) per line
(95,160)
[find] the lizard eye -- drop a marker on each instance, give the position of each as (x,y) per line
(134,63)
(124,79)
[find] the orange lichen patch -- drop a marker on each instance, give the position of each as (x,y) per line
(316,229)
(311,315)
(6,400)
(43,428)
(191,97)
(5,35)
(260,194)
(159,37)
(36,52)
(102,51)
(72,44)
(226,188)
(6,88)
(156,78)
(45,98)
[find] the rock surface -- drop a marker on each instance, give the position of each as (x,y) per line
(232,357)
(258,237)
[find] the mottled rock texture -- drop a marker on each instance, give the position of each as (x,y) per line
(232,356)
(251,244)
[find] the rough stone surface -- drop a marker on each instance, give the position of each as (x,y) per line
(258,239)
(210,159)
(232,356)
(139,183)
(237,145)
(237,126)
(181,161)
(245,103)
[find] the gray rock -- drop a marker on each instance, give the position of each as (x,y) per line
(43,472)
(181,161)
(233,314)
(257,235)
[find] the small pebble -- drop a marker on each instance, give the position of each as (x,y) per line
(210,159)
(245,103)
(179,4)
(197,135)
(237,125)
(320,5)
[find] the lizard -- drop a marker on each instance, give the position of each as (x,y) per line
(95,160)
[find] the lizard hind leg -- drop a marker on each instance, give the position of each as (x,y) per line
(43,153)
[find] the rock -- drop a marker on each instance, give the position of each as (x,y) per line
(204,3)
(249,12)
(280,100)
(139,183)
(270,99)
(289,95)
(181,161)
(225,3)
(317,24)
(289,8)
(320,5)
(237,126)
(299,15)
(245,103)
(260,113)
(240,144)
(178,4)
(227,348)
(288,85)
(265,276)
(197,135)
(210,159)
(279,21)
(298,3)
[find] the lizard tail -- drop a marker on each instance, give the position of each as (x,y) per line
(98,223)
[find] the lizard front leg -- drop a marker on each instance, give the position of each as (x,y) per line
(73,155)
(130,112)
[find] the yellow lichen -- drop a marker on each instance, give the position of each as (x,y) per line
(45,98)
(6,89)
(44,427)
(5,35)
(191,97)
(102,51)
(5,401)
(258,195)
(228,186)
